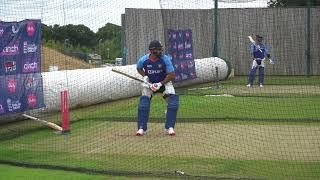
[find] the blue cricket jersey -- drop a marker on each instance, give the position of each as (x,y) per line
(156,70)
(257,53)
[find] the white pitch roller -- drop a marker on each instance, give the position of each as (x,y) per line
(92,86)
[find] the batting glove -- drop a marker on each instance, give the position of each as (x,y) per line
(155,86)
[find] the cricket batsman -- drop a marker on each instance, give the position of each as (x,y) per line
(158,73)
(259,52)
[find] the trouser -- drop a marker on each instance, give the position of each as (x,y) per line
(256,64)
(172,106)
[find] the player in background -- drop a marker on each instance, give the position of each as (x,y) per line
(158,73)
(259,52)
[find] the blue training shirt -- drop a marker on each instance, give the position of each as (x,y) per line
(156,70)
(257,53)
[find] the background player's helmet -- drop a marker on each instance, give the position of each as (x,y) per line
(155,45)
(259,38)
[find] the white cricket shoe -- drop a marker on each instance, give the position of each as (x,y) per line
(261,85)
(170,132)
(249,86)
(140,132)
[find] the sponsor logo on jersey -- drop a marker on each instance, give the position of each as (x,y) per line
(154,71)
(13,104)
(10,50)
(10,66)
(29,47)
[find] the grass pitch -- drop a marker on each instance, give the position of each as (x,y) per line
(258,133)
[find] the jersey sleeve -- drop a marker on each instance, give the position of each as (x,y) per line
(252,49)
(167,61)
(141,61)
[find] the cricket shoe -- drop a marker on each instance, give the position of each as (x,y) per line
(140,132)
(170,132)
(249,86)
(261,85)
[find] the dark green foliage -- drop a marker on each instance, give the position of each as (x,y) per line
(109,42)
(80,39)
(108,32)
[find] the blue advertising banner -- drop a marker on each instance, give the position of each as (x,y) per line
(21,86)
(181,50)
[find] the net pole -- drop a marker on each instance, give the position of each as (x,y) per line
(308,38)
(215,19)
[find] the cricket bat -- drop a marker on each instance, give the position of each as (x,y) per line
(254,43)
(127,75)
(49,124)
(146,84)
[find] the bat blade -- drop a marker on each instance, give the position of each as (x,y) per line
(49,124)
(254,43)
(127,75)
(251,40)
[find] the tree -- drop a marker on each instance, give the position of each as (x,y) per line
(292,3)
(108,32)
(78,35)
(47,33)
(79,38)
(109,41)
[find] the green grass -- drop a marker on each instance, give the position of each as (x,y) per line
(12,173)
(119,154)
(157,166)
(203,108)
(277,80)
(258,133)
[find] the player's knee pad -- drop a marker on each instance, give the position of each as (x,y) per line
(144,103)
(173,102)
(146,92)
(169,89)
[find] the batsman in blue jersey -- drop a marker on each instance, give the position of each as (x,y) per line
(259,52)
(158,73)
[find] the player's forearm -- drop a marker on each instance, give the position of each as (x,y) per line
(169,77)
